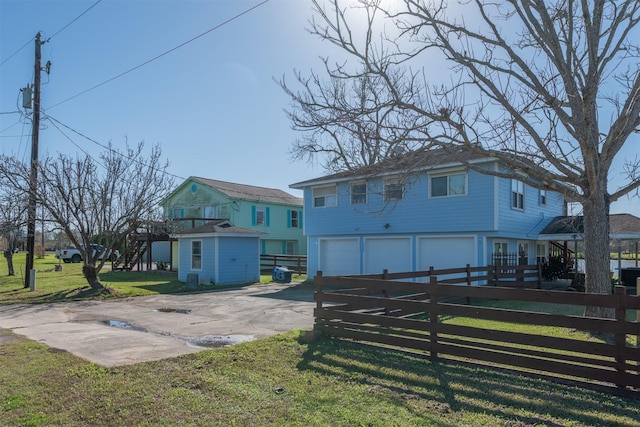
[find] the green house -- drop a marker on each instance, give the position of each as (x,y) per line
(274,212)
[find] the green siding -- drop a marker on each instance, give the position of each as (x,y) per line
(242,213)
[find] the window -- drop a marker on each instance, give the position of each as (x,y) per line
(176,213)
(294,219)
(541,253)
(449,185)
(543,197)
(325,197)
(196,254)
(500,247)
(290,247)
(517,194)
(359,193)
(261,216)
(210,211)
(393,191)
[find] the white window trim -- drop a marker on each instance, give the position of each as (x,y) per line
(191,255)
(512,192)
(366,190)
(542,197)
(448,174)
(334,198)
(392,182)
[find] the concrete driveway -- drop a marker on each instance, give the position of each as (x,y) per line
(133,330)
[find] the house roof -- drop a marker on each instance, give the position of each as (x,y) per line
(218,226)
(415,160)
(621,226)
(250,192)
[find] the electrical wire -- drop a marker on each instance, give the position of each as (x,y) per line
(233,18)
(106,147)
(74,20)
(55,34)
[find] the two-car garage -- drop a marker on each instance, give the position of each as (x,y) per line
(368,255)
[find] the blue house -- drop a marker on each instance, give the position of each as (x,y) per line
(219,253)
(441,214)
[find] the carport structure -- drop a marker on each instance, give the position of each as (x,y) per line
(623,228)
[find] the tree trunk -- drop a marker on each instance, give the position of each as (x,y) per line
(9,256)
(91,274)
(596,251)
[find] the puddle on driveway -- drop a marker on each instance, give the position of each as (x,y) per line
(123,325)
(219,341)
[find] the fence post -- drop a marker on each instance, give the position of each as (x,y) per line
(539,276)
(433,316)
(318,296)
(468,281)
(620,338)
(496,272)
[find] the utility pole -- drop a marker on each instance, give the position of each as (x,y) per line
(30,276)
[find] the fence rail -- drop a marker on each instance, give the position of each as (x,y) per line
(412,315)
(295,263)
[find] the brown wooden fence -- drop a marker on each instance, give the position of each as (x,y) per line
(412,315)
(295,263)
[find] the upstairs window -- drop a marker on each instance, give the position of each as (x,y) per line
(393,191)
(176,213)
(359,193)
(449,185)
(517,194)
(260,216)
(294,219)
(325,197)
(543,197)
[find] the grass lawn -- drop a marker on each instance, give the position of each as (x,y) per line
(69,284)
(285,380)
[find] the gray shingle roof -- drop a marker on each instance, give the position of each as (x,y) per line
(409,162)
(251,192)
(622,225)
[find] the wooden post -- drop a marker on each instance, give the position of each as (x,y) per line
(468,281)
(620,338)
(433,317)
(318,296)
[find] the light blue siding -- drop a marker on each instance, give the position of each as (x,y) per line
(225,260)
(482,215)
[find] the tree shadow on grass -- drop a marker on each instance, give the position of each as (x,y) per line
(438,389)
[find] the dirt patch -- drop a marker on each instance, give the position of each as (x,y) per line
(7,337)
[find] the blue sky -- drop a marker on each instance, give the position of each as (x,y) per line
(212,104)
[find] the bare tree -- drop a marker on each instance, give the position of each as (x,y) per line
(100,201)
(347,123)
(13,218)
(106,199)
(550,88)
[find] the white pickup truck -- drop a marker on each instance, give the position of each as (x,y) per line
(72,254)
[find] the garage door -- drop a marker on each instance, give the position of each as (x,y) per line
(446,252)
(392,254)
(339,257)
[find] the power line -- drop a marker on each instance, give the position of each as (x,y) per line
(74,20)
(106,147)
(55,34)
(162,54)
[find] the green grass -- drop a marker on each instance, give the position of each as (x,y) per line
(69,284)
(286,380)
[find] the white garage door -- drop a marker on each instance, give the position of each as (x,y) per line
(446,252)
(339,257)
(392,254)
